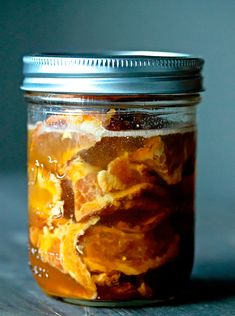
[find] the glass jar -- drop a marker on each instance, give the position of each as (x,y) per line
(111,173)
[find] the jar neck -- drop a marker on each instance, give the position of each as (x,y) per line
(154,100)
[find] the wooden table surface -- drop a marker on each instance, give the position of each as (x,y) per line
(211,291)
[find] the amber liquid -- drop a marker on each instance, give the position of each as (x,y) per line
(113,218)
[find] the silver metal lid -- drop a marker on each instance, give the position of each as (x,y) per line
(128,72)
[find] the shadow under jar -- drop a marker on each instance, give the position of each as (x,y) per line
(111,173)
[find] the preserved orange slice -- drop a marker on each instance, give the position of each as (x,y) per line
(95,202)
(71,256)
(109,203)
(140,218)
(155,155)
(57,139)
(108,249)
(128,172)
(77,169)
(45,204)
(53,281)
(49,248)
(108,190)
(108,182)
(60,248)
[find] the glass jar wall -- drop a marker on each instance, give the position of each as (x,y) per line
(111,195)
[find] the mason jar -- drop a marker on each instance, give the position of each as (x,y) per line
(111,174)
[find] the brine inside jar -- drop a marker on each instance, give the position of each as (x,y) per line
(111,208)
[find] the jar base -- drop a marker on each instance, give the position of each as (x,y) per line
(128,303)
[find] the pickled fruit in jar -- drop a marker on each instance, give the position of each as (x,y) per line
(111,172)
(110,207)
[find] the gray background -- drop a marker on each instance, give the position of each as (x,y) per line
(203,27)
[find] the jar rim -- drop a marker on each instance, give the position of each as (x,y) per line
(114,72)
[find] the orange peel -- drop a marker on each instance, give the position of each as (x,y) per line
(70,255)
